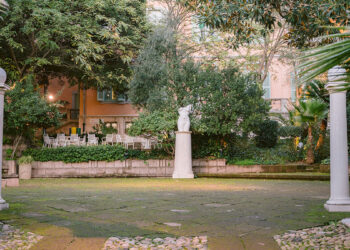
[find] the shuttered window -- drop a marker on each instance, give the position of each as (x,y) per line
(108,95)
(293,87)
(267,87)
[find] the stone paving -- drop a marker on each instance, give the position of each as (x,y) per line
(12,238)
(333,236)
(232,213)
(143,243)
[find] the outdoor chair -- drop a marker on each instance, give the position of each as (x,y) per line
(74,140)
(82,141)
(92,140)
(61,140)
(108,139)
(129,141)
(117,139)
(154,144)
(47,141)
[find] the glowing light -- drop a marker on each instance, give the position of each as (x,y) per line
(50,97)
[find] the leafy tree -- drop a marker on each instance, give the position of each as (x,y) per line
(311,112)
(25,110)
(157,124)
(305,18)
(225,101)
(88,41)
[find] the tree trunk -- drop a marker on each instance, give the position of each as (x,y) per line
(310,157)
(321,136)
(15,145)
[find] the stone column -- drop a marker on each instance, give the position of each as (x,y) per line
(183,155)
(339,200)
(3,88)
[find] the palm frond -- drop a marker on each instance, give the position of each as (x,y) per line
(3,8)
(319,60)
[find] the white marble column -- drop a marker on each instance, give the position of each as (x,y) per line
(183,155)
(3,88)
(339,200)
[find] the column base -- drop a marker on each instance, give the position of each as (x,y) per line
(183,176)
(4,206)
(337,205)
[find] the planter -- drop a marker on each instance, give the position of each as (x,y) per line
(25,171)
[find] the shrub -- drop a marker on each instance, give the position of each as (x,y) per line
(245,162)
(91,153)
(267,134)
(25,160)
(290,131)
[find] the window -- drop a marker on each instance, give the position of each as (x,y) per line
(293,87)
(112,125)
(127,126)
(266,87)
(199,30)
(157,15)
(108,95)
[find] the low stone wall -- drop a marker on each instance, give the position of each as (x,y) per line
(127,168)
(238,169)
(158,168)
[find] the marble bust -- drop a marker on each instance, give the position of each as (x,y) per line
(183,123)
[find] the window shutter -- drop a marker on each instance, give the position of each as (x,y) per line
(293,87)
(100,95)
(266,87)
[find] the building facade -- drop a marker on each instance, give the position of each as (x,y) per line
(85,108)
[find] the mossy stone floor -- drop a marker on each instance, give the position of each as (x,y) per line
(233,213)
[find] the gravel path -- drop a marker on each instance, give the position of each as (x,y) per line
(11,238)
(333,236)
(157,243)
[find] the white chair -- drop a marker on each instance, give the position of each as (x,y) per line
(74,140)
(129,141)
(154,143)
(117,139)
(47,141)
(61,140)
(146,144)
(108,139)
(82,141)
(92,140)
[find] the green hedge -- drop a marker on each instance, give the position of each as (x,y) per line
(75,154)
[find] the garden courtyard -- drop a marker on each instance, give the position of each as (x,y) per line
(233,213)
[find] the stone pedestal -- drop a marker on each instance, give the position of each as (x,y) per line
(25,171)
(183,155)
(339,200)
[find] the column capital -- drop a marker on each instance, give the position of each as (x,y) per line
(4,86)
(335,79)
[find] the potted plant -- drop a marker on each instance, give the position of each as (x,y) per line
(25,167)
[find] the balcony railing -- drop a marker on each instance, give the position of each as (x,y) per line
(74,114)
